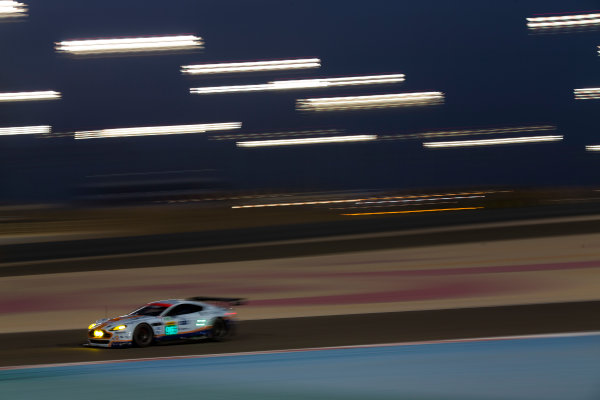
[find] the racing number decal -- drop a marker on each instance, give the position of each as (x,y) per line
(171,328)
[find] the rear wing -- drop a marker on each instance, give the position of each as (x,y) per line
(228,300)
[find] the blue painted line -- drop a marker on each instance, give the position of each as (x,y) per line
(544,368)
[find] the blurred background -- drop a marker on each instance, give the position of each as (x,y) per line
(423,170)
(496,78)
(493,71)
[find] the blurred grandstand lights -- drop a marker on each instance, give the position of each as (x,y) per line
(156,130)
(587,93)
(252,66)
(491,142)
(29,96)
(12,9)
(124,45)
(593,148)
(373,101)
(25,130)
(303,84)
(563,21)
(314,140)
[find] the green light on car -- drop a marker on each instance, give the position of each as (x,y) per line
(201,322)
(171,330)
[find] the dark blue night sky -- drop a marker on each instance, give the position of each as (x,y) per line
(494,73)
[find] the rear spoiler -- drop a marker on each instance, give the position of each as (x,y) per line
(228,300)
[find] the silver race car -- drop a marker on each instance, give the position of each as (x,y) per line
(196,317)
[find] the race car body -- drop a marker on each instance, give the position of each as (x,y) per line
(197,317)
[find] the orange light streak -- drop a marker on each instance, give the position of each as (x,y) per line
(417,211)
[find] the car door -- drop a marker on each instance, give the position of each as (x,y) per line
(180,321)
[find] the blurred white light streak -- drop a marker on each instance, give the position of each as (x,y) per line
(373,101)
(25,130)
(265,135)
(563,21)
(587,93)
(298,203)
(314,140)
(595,147)
(367,200)
(469,132)
(303,84)
(420,200)
(151,43)
(30,96)
(252,66)
(491,131)
(491,142)
(11,9)
(156,130)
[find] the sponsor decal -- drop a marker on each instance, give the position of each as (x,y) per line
(171,329)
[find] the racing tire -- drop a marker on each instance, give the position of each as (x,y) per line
(220,330)
(142,335)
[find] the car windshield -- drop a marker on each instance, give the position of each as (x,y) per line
(152,310)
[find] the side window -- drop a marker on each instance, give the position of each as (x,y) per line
(194,308)
(182,309)
(177,310)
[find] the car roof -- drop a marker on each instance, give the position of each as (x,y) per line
(171,302)
(167,302)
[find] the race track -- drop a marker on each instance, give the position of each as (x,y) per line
(527,279)
(296,333)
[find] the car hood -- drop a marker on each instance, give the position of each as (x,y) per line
(125,320)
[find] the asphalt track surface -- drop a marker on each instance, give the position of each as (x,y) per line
(294,333)
(357,225)
(113,258)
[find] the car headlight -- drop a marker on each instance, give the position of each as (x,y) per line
(92,325)
(98,333)
(119,328)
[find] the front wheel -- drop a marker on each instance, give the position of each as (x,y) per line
(142,335)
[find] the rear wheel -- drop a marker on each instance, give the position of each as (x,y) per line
(142,335)
(220,330)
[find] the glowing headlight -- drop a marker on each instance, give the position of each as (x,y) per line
(98,333)
(92,325)
(119,328)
